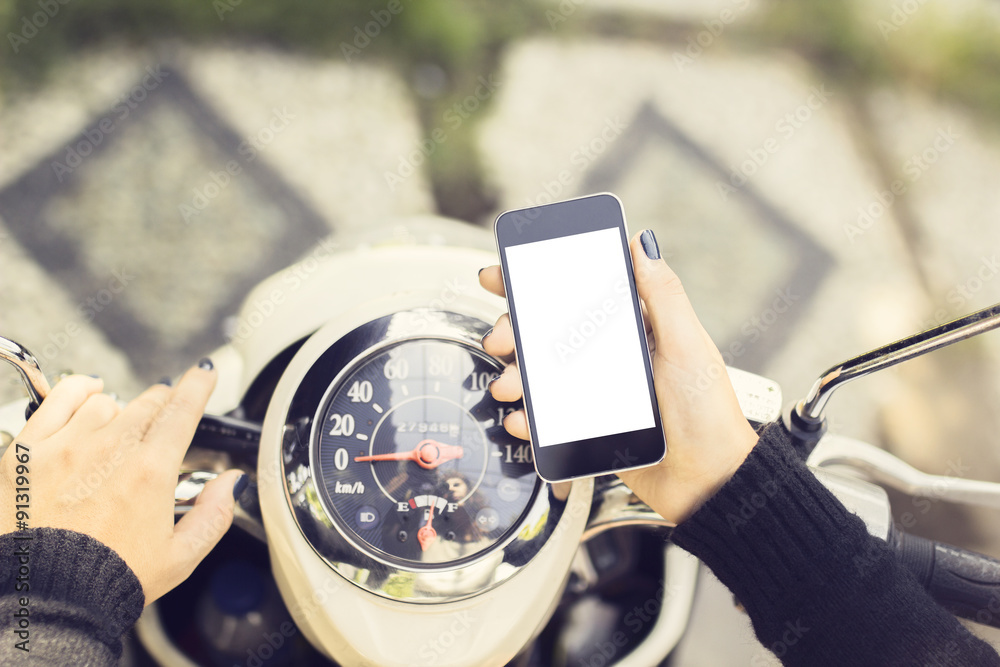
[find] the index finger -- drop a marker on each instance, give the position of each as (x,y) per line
(492,280)
(59,407)
(175,425)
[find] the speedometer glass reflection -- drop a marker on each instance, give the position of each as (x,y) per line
(413,459)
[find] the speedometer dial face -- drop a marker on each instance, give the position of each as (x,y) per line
(413,460)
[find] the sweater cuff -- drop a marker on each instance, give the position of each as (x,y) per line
(773,534)
(77,572)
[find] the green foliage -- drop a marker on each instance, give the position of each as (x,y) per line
(956,59)
(450,32)
(828,33)
(952,54)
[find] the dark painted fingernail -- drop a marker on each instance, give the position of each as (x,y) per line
(481,271)
(165,381)
(490,383)
(96,377)
(648,240)
(206,364)
(485,336)
(240,486)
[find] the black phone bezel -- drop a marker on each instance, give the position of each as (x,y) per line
(603,454)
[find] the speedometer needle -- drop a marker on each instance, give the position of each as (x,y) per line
(426,535)
(428,454)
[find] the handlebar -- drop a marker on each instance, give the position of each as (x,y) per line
(228,434)
(806,419)
(964,582)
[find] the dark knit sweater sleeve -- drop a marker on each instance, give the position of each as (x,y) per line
(80,599)
(819,589)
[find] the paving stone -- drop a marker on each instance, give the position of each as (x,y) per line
(37,312)
(42,119)
(731,247)
(123,216)
(947,163)
(37,123)
(197,176)
(351,123)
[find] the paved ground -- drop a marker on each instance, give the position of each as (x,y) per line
(143,192)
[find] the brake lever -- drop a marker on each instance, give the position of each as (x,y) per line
(246,514)
(885,469)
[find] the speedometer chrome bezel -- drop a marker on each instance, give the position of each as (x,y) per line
(320,525)
(325,500)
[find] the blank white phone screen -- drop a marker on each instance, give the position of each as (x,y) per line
(579,338)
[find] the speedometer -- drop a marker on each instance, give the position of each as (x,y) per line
(411,458)
(395,463)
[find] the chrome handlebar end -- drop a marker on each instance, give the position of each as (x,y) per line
(28,368)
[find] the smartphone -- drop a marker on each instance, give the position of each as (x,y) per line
(579,338)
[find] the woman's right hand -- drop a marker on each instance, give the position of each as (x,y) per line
(707,435)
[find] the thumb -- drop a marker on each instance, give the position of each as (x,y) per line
(209,518)
(675,325)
